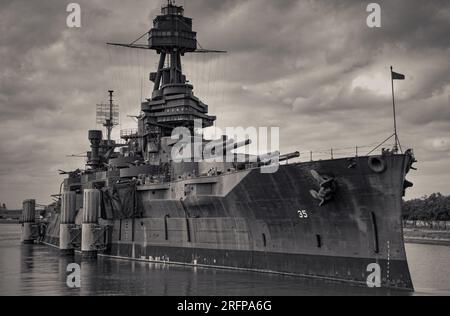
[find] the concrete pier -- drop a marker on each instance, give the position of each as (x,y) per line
(28,220)
(91,206)
(68,212)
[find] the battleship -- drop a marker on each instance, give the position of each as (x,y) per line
(329,219)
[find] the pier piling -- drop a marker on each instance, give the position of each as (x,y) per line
(28,220)
(91,206)
(68,211)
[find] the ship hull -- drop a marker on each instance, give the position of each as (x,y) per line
(273,223)
(339,269)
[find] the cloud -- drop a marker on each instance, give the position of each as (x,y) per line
(311,67)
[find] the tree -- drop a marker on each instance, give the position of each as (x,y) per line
(433,207)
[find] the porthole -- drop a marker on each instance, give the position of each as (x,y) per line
(377,164)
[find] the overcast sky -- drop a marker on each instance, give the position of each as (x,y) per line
(313,68)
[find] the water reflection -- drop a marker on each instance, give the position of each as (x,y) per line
(40,270)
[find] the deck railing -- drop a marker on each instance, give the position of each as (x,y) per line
(338,153)
(128,133)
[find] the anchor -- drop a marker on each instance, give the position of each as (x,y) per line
(327,188)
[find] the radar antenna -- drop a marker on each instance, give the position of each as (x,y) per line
(108,114)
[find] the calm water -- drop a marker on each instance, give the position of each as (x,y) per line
(39,270)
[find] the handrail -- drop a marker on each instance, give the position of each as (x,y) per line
(129,133)
(342,152)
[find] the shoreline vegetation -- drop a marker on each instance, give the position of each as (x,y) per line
(435,207)
(427,220)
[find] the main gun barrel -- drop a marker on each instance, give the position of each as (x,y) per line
(235,145)
(289,156)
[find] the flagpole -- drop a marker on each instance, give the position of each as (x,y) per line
(395,114)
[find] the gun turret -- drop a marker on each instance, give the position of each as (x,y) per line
(264,160)
(226,146)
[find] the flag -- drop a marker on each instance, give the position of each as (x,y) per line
(397,76)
